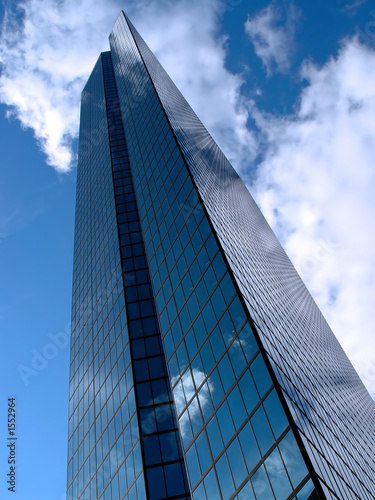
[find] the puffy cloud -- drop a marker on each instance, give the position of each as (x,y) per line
(48,49)
(184,37)
(184,389)
(316,188)
(273,41)
(316,183)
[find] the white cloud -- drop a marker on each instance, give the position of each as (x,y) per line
(184,39)
(316,187)
(184,389)
(48,55)
(318,170)
(47,51)
(273,42)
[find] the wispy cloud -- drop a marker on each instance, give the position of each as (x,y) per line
(316,188)
(273,38)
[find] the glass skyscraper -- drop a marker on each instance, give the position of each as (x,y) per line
(201,367)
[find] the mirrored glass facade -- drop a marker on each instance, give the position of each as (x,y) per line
(201,368)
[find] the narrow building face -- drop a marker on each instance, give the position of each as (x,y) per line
(201,367)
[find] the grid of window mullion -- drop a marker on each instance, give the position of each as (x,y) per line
(156,219)
(151,368)
(184,118)
(92,278)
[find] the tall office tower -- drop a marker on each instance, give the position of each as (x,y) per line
(201,367)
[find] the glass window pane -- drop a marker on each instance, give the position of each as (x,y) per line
(278,476)
(214,437)
(249,392)
(246,493)
(225,478)
(205,400)
(293,460)
(262,430)
(160,391)
(237,407)
(261,485)
(275,413)
(210,483)
(207,357)
(225,422)
(156,484)
(164,417)
(208,317)
(195,416)
(261,375)
(174,479)
(199,330)
(217,392)
(192,465)
(249,447)
(217,343)
(204,456)
(237,358)
(236,463)
(148,423)
(144,394)
(169,447)
(226,373)
(248,342)
(306,491)
(199,493)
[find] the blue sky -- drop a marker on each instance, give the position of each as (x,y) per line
(286,89)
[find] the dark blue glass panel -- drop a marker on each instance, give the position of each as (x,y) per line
(174,479)
(144,394)
(156,483)
(151,450)
(169,446)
